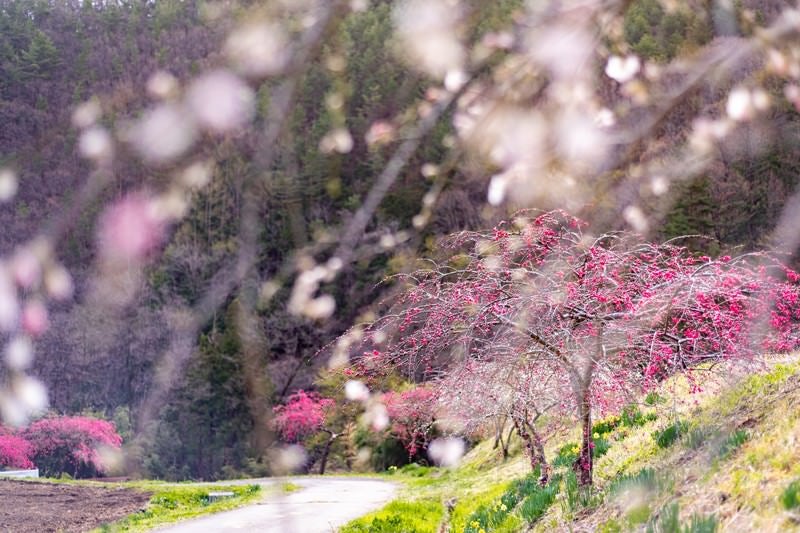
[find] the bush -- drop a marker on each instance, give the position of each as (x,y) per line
(70,445)
(15,452)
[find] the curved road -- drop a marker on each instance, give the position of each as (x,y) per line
(321,506)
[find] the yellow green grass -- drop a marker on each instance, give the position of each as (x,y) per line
(724,459)
(171,502)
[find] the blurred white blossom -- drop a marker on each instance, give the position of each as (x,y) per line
(565,49)
(636,218)
(428,34)
(163,133)
(220,101)
(8,184)
(19,353)
(257,49)
(447,451)
(162,85)
(376,416)
(623,69)
(356,391)
(86,114)
(337,140)
(95,143)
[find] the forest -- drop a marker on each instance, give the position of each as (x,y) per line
(258,238)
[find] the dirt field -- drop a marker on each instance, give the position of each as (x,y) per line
(33,507)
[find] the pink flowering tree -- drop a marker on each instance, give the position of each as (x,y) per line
(303,415)
(412,416)
(71,444)
(15,451)
(506,391)
(592,318)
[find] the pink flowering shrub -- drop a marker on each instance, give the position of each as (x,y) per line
(411,415)
(15,452)
(302,415)
(70,444)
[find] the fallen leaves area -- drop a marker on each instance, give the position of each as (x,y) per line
(41,507)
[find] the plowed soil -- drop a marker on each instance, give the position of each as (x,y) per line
(29,506)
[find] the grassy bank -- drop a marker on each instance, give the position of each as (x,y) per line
(171,502)
(724,459)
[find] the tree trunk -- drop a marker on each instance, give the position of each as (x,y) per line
(507,443)
(533,447)
(545,468)
(583,465)
(325,451)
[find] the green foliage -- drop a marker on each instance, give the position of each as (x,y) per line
(538,499)
(666,437)
(646,479)
(696,437)
(633,417)
(732,442)
(416,470)
(607,425)
(569,452)
(421,516)
(480,503)
(790,498)
(668,521)
(494,516)
(701,524)
(653,398)
(577,497)
(204,431)
(655,34)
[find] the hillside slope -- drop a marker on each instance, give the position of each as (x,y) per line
(722,459)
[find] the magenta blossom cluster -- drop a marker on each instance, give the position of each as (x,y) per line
(302,415)
(55,445)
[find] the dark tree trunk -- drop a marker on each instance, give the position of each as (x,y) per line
(533,447)
(323,461)
(507,442)
(583,465)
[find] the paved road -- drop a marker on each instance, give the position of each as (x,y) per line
(321,506)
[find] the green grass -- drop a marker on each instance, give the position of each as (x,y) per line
(666,437)
(733,442)
(421,516)
(497,515)
(171,502)
(290,487)
(646,479)
(539,500)
(790,498)
(668,521)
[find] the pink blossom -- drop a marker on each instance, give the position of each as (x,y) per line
(130,229)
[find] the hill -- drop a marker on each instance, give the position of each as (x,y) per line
(722,459)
